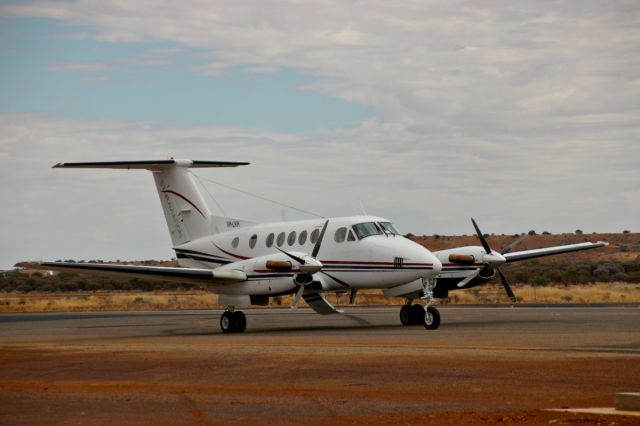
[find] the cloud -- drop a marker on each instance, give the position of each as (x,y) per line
(521,113)
(508,185)
(459,66)
(78,67)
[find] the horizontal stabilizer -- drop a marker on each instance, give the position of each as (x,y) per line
(149,164)
(181,275)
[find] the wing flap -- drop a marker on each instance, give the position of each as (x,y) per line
(192,275)
(549,251)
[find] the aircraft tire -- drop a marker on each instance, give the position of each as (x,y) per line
(227,322)
(240,322)
(431,318)
(405,315)
(417,314)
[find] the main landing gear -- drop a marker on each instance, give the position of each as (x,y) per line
(233,321)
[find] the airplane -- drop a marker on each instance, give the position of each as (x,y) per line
(248,263)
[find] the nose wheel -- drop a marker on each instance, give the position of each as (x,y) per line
(233,322)
(431,318)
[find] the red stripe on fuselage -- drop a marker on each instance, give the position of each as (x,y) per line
(349,262)
(237,256)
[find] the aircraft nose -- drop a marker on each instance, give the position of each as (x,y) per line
(437,265)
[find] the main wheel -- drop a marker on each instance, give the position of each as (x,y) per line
(405,315)
(417,314)
(227,322)
(431,318)
(240,322)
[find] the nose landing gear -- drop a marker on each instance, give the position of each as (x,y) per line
(233,321)
(417,314)
(431,318)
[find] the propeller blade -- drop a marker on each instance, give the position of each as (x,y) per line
(294,257)
(507,287)
(511,245)
(339,281)
(296,301)
(485,245)
(352,296)
(469,278)
(316,248)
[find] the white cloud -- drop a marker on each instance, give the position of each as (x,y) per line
(78,67)
(521,113)
(509,185)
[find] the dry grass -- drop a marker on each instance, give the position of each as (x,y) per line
(138,301)
(85,301)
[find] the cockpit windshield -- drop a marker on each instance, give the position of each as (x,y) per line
(364,230)
(389,228)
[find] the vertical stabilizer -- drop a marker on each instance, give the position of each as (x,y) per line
(185,209)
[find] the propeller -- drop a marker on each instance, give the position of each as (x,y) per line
(309,265)
(512,244)
(493,260)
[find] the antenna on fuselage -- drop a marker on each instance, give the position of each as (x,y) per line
(364,213)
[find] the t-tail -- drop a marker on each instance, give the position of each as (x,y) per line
(185,209)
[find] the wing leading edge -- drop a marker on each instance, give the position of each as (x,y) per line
(193,275)
(549,251)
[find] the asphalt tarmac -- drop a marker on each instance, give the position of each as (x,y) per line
(483,365)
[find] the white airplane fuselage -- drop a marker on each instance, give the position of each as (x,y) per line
(378,261)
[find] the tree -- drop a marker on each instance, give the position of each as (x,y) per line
(578,231)
(532,232)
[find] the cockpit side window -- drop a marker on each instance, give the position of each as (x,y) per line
(364,230)
(389,228)
(340,235)
(351,237)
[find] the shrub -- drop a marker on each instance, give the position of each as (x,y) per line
(541,281)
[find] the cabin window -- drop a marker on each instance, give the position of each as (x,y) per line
(314,236)
(388,228)
(340,234)
(364,230)
(302,238)
(270,238)
(253,240)
(280,240)
(291,239)
(235,242)
(351,237)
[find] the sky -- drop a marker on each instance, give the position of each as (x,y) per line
(521,114)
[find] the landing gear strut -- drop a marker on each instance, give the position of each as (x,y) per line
(233,321)
(431,317)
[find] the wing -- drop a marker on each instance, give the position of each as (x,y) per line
(192,275)
(549,251)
